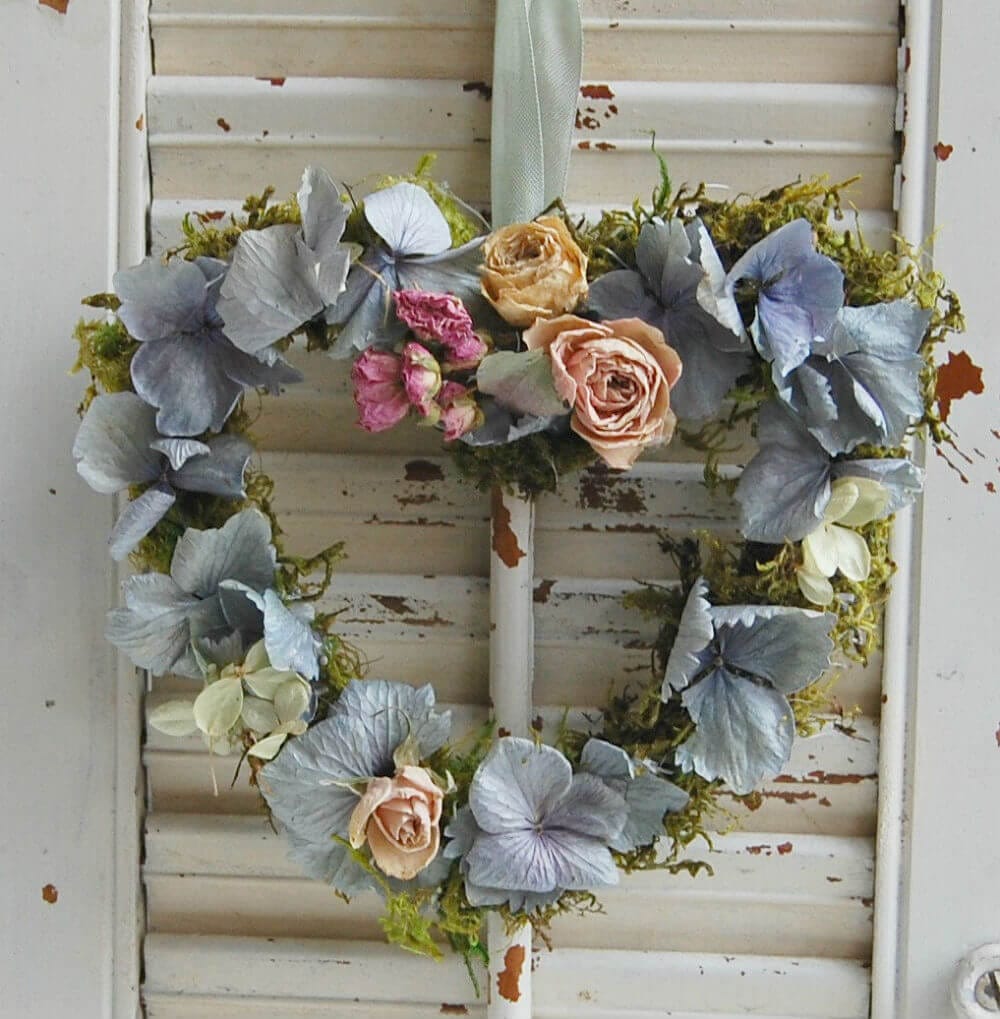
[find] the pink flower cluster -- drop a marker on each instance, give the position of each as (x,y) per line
(443,319)
(387,386)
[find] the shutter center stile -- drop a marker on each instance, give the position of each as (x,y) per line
(537,59)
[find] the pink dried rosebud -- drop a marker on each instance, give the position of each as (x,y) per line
(421,377)
(378,390)
(441,318)
(460,413)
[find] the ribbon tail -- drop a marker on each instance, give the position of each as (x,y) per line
(537,58)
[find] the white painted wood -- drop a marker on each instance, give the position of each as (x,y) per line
(73,86)
(952,835)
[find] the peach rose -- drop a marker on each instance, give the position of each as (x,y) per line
(533,270)
(617,377)
(399,817)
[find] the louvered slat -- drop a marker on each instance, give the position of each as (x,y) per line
(741,93)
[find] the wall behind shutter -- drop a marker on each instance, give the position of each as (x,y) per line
(741,93)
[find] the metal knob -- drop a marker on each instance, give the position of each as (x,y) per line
(975,991)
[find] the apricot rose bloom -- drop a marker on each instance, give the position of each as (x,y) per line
(533,270)
(617,377)
(400,818)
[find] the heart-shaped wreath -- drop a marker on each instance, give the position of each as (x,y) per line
(536,349)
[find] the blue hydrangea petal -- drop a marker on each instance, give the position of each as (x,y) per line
(239,550)
(243,608)
(788,647)
(455,271)
(270,289)
(502,425)
(409,222)
(161,301)
(692,646)
(785,488)
(331,863)
(623,293)
(800,294)
(112,445)
(324,215)
(178,451)
(180,377)
(290,641)
(153,628)
(743,734)
(138,518)
(517,783)
(607,761)
(219,471)
(649,799)
(364,310)
(590,807)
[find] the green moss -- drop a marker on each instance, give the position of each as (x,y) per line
(105,350)
(207,234)
(530,466)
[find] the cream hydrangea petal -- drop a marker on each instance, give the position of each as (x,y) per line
(814,586)
(872,503)
(844,493)
(853,557)
(258,714)
(292,699)
(174,718)
(218,707)
(821,549)
(267,748)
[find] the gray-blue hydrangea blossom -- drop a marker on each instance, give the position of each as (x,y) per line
(680,287)
(534,829)
(164,613)
(785,488)
(799,293)
(186,367)
(734,667)
(862,383)
(118,445)
(286,275)
(415,254)
(314,784)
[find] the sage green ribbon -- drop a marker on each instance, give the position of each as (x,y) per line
(537,57)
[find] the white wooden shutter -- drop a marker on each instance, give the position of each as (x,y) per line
(743,94)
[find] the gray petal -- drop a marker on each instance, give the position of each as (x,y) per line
(270,289)
(744,731)
(291,642)
(243,609)
(453,272)
(239,550)
(788,647)
(462,831)
(540,862)
(591,807)
(153,628)
(112,445)
(624,294)
(330,862)
(221,651)
(138,518)
(517,902)
(324,215)
(503,426)
(161,301)
(252,372)
(784,489)
(220,471)
(692,645)
(517,784)
(181,377)
(606,761)
(407,219)
(713,294)
(179,451)
(364,311)
(709,371)
(903,479)
(649,798)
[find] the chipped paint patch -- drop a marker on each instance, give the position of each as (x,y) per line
(504,539)
(140,121)
(394,603)
(942,151)
(958,376)
(542,592)
(601,490)
(784,848)
(997,735)
(276,82)
(509,978)
(50,894)
(483,90)
(596,92)
(224,124)
(59,6)
(422,470)
(447,1009)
